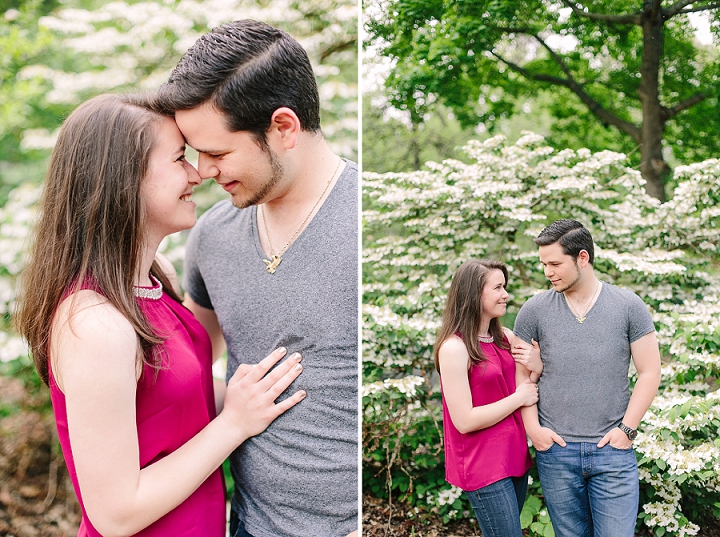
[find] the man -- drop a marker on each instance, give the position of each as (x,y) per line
(276,265)
(585,420)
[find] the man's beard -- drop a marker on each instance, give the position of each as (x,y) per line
(275,177)
(571,284)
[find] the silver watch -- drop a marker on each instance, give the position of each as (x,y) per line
(631,433)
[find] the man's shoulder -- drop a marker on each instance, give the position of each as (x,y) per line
(532,312)
(349,178)
(541,299)
(220,213)
(621,294)
(351,169)
(343,203)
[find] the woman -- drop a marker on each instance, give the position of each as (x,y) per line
(129,368)
(486,453)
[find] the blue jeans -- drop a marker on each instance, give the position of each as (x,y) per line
(590,492)
(237,528)
(497,506)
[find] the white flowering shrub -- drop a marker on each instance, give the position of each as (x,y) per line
(124,45)
(420,227)
(16,217)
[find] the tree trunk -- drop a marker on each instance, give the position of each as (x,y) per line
(415,146)
(653,167)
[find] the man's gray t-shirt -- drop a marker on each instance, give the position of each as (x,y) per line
(300,476)
(584,387)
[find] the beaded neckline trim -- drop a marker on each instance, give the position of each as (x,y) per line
(151,293)
(486,339)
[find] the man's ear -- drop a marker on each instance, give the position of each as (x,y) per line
(583,258)
(284,127)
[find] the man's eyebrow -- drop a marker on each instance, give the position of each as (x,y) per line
(208,151)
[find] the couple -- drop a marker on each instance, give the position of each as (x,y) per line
(574,404)
(129,366)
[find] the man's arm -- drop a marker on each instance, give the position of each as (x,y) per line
(541,437)
(526,331)
(646,356)
(208,318)
(526,355)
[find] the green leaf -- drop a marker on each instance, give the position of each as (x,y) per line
(526,519)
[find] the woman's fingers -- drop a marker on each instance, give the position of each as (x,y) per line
(278,380)
(290,402)
(240,372)
(254,373)
(274,382)
(292,365)
(252,391)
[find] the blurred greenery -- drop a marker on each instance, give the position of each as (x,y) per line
(54,55)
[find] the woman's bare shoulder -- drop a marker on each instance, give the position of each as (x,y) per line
(89,333)
(508,334)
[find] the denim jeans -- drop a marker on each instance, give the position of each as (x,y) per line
(497,506)
(237,528)
(590,492)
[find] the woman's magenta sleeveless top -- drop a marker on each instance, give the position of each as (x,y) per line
(480,458)
(171,408)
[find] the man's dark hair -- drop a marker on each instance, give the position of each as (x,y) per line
(571,235)
(246,69)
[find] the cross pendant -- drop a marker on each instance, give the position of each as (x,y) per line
(579,319)
(273,263)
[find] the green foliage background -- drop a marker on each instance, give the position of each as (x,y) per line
(484,59)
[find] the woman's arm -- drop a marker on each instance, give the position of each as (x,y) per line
(454,360)
(94,355)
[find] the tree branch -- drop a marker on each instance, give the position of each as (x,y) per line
(595,107)
(508,30)
(532,76)
(555,56)
(676,8)
(579,10)
(668,113)
(338,47)
(699,8)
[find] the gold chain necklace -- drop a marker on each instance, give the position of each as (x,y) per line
(581,318)
(275,259)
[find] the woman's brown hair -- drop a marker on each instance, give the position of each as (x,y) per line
(90,227)
(463,309)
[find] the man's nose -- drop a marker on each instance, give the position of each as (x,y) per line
(207,167)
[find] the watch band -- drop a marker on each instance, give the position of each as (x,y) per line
(631,433)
